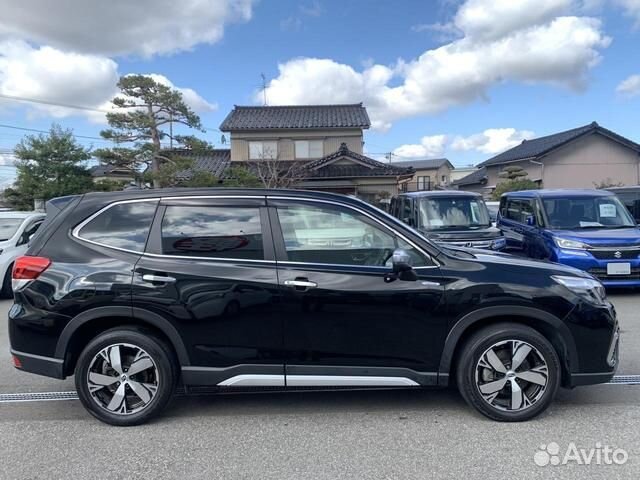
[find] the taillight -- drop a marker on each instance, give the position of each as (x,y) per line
(29,268)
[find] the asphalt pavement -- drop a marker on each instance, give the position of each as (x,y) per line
(327,435)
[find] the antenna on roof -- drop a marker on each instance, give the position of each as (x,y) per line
(264,89)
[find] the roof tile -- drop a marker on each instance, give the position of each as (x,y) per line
(298,116)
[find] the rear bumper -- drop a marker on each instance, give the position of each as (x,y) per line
(47,366)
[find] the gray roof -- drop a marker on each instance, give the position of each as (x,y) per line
(477,177)
(540,146)
(362,167)
(214,161)
(432,163)
(296,117)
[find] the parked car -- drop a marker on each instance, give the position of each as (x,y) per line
(630,196)
(450,217)
(16,228)
(493,208)
(587,229)
(114,290)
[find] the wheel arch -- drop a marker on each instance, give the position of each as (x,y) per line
(96,320)
(553,329)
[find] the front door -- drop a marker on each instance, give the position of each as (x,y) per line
(209,269)
(344,324)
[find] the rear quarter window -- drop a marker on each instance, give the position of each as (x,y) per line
(124,225)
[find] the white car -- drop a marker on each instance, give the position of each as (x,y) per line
(16,228)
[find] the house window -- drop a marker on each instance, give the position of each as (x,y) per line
(444,179)
(309,148)
(424,183)
(263,150)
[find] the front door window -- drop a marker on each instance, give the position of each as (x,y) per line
(331,234)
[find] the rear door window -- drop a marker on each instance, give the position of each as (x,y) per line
(124,226)
(213,232)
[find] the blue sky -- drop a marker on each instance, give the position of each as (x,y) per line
(462,79)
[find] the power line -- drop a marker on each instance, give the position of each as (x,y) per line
(24,129)
(52,103)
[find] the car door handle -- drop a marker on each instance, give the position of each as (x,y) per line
(158,278)
(300,284)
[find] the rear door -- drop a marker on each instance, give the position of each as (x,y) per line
(344,325)
(209,269)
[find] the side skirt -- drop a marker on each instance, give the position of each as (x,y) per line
(305,377)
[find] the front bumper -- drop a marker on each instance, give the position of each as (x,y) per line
(599,355)
(584,260)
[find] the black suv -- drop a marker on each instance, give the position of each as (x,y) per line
(138,292)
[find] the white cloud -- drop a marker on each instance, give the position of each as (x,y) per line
(530,44)
(429,147)
(48,74)
(51,75)
(492,140)
(190,96)
(631,8)
(121,27)
(7,159)
(493,19)
(630,86)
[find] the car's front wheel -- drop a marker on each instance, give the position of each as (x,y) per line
(125,376)
(508,372)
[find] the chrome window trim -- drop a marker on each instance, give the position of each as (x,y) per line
(76,231)
(393,231)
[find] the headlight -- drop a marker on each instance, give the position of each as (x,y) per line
(566,243)
(588,288)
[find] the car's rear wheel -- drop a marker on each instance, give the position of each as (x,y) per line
(125,376)
(508,372)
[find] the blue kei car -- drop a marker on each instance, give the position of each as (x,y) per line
(587,229)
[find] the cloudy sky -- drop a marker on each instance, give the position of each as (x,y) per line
(462,79)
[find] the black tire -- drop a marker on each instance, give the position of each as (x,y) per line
(7,291)
(470,371)
(164,372)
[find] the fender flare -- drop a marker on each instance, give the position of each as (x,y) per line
(140,314)
(472,318)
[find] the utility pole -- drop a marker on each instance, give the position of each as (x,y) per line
(389,156)
(264,88)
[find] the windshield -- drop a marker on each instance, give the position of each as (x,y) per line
(586,212)
(453,212)
(8,227)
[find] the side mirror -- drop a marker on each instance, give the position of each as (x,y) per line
(531,220)
(401,267)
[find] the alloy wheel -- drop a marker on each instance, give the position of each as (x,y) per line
(511,375)
(123,379)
